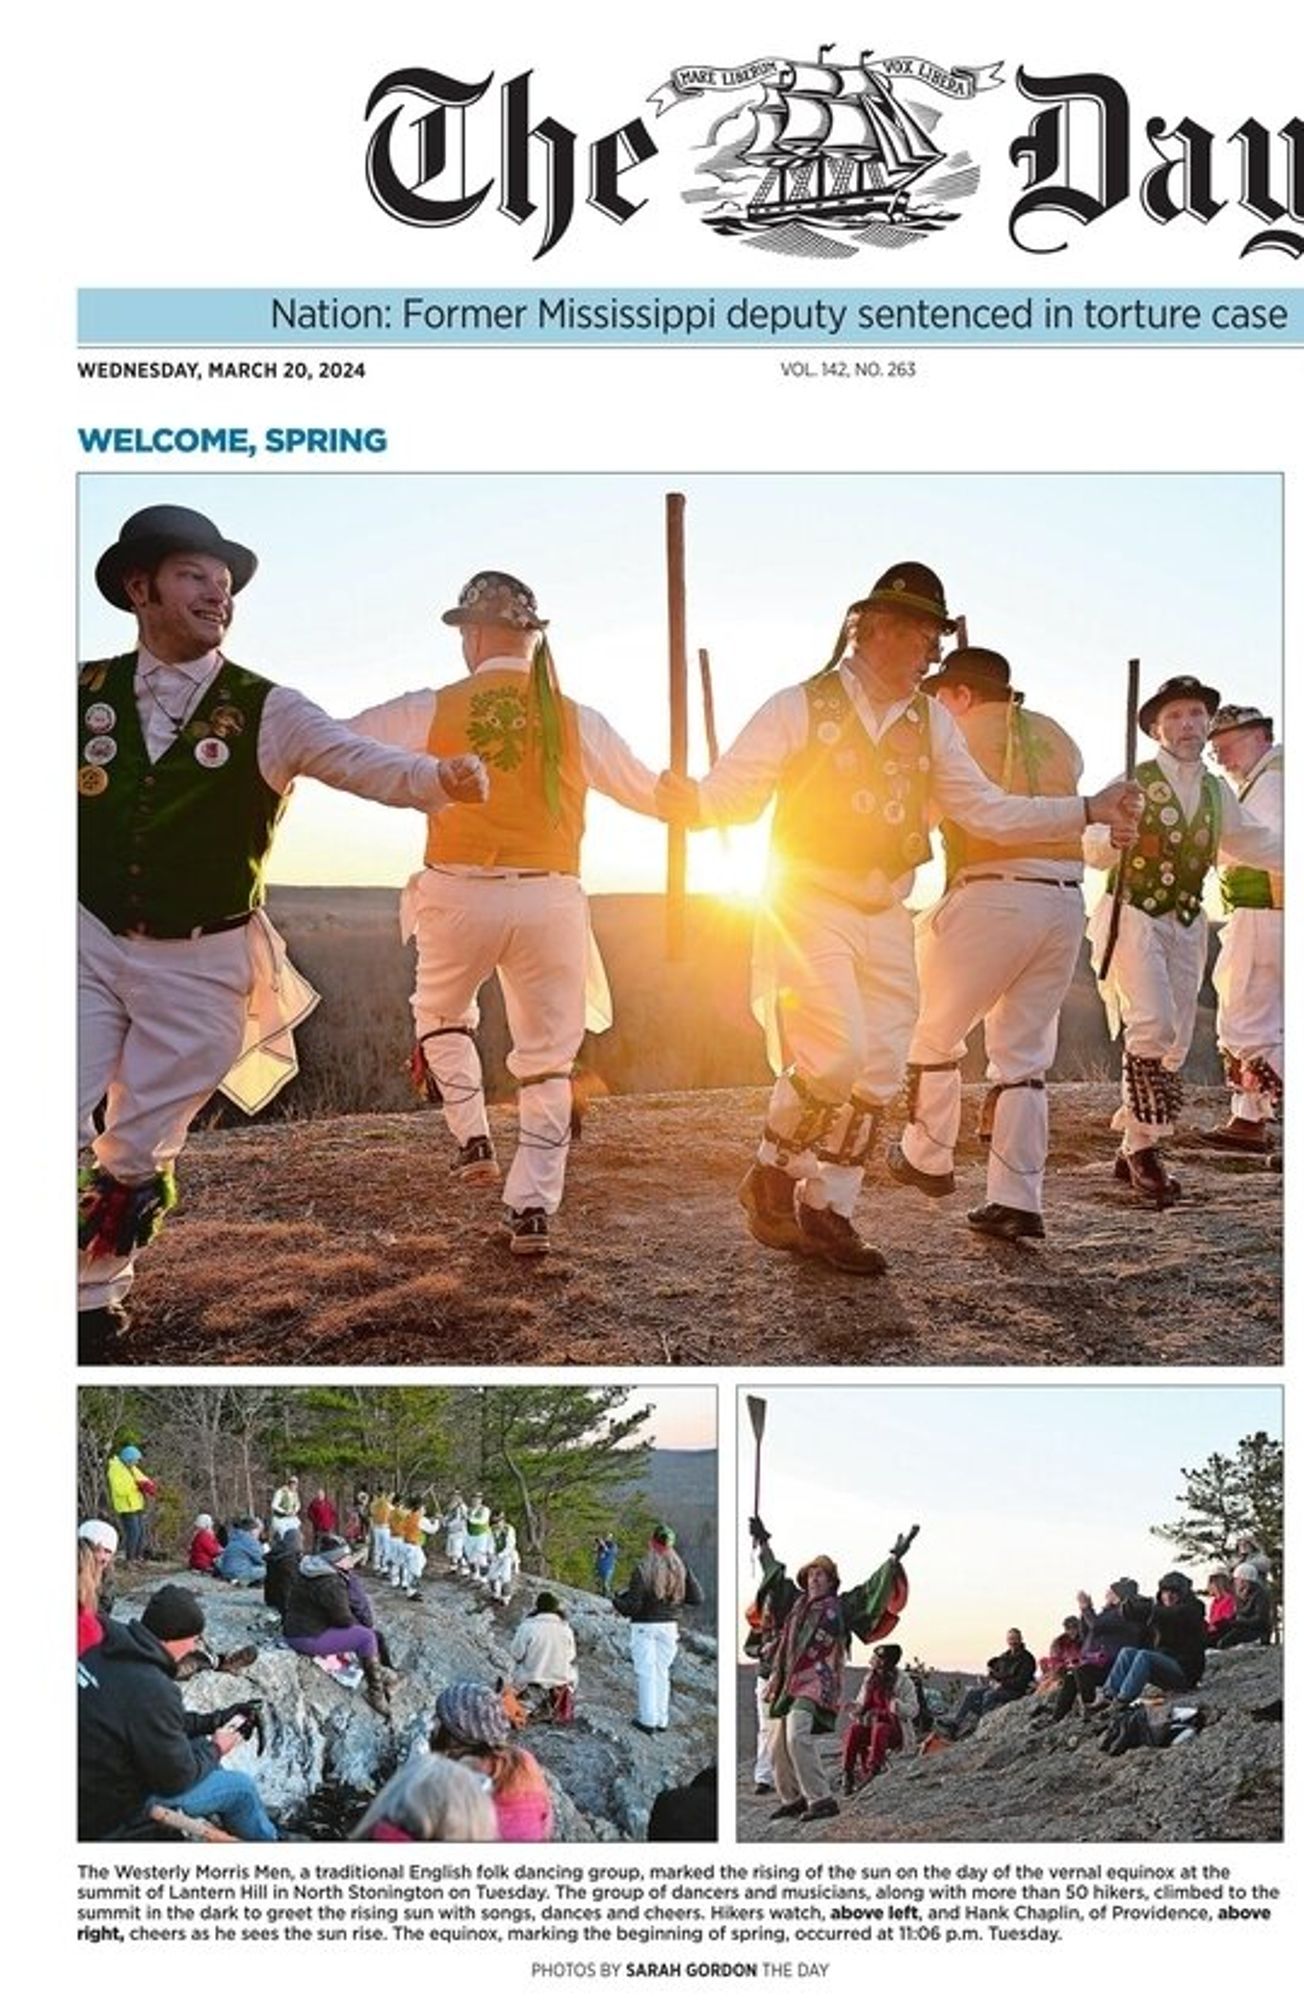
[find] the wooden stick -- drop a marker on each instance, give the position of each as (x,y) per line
(708,707)
(756,1411)
(1120,866)
(676,836)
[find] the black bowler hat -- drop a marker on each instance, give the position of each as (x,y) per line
(971,667)
(1182,687)
(913,588)
(156,532)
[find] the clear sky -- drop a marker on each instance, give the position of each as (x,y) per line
(682,1419)
(1023,1496)
(1067,574)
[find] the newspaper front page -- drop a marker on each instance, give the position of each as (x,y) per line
(668,341)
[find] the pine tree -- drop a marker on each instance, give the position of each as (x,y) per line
(1226,1499)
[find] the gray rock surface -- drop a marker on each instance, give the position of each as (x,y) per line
(603,1773)
(1012,1782)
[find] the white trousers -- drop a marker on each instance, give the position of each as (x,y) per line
(652,1649)
(455,1545)
(160,1022)
(1248,982)
(1002,953)
(479,1550)
(763,1769)
(848,1000)
(533,931)
(1154,990)
(379,1547)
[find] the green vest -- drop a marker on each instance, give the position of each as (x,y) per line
(851,805)
(178,846)
(1251,888)
(1171,855)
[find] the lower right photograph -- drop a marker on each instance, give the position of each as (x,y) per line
(1010,1614)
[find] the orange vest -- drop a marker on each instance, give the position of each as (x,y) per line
(490,713)
(1028,755)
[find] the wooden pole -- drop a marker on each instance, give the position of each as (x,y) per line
(676,836)
(1125,854)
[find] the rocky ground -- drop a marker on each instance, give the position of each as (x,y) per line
(343,1240)
(327,1751)
(1011,1782)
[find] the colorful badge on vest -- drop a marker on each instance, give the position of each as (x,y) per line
(212,752)
(100,750)
(100,718)
(92,780)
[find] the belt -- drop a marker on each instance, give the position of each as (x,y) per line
(498,874)
(1038,881)
(196,930)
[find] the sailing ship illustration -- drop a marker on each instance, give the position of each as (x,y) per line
(834,145)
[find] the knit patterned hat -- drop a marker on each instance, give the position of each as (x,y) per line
(474,1714)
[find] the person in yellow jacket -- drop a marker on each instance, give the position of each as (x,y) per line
(501,890)
(129,1488)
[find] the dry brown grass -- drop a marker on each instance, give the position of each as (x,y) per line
(344,1242)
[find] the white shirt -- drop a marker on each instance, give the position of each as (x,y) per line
(606,760)
(1243,836)
(295,738)
(741,784)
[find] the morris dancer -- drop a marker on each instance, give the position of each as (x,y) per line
(857,757)
(479,1537)
(1248,975)
(1001,947)
(1153,984)
(185,761)
(455,1534)
(501,892)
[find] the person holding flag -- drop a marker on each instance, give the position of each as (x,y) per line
(804,1691)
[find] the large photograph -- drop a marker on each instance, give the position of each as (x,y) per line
(614,919)
(396,1614)
(1010,1614)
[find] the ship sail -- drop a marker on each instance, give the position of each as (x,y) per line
(833,141)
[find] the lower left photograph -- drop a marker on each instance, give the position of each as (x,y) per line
(391,1613)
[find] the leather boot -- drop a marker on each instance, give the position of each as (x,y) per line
(1149,1176)
(1238,1135)
(767,1196)
(994,1218)
(377,1691)
(909,1175)
(830,1236)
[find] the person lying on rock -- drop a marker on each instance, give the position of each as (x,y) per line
(1009,1677)
(430,1798)
(328,1611)
(883,1719)
(138,1746)
(1172,1657)
(1251,1621)
(545,1675)
(472,1727)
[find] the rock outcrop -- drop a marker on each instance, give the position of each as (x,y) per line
(322,1738)
(1012,1782)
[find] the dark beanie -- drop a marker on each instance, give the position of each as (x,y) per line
(173,1613)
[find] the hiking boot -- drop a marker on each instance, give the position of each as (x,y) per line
(476,1164)
(197,1662)
(796,1810)
(101,1335)
(376,1689)
(1238,1135)
(1007,1224)
(767,1196)
(1148,1175)
(831,1237)
(235,1662)
(528,1230)
(822,1809)
(848,1784)
(901,1169)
